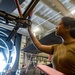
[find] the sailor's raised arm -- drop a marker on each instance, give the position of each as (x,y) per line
(45,48)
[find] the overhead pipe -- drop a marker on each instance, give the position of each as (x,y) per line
(19,9)
(24,16)
(14,31)
(31,6)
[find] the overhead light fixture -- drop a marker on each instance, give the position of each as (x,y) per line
(36,30)
(73,12)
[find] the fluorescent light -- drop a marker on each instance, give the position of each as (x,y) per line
(36,30)
(73,12)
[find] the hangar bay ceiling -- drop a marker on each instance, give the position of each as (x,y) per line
(45,16)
